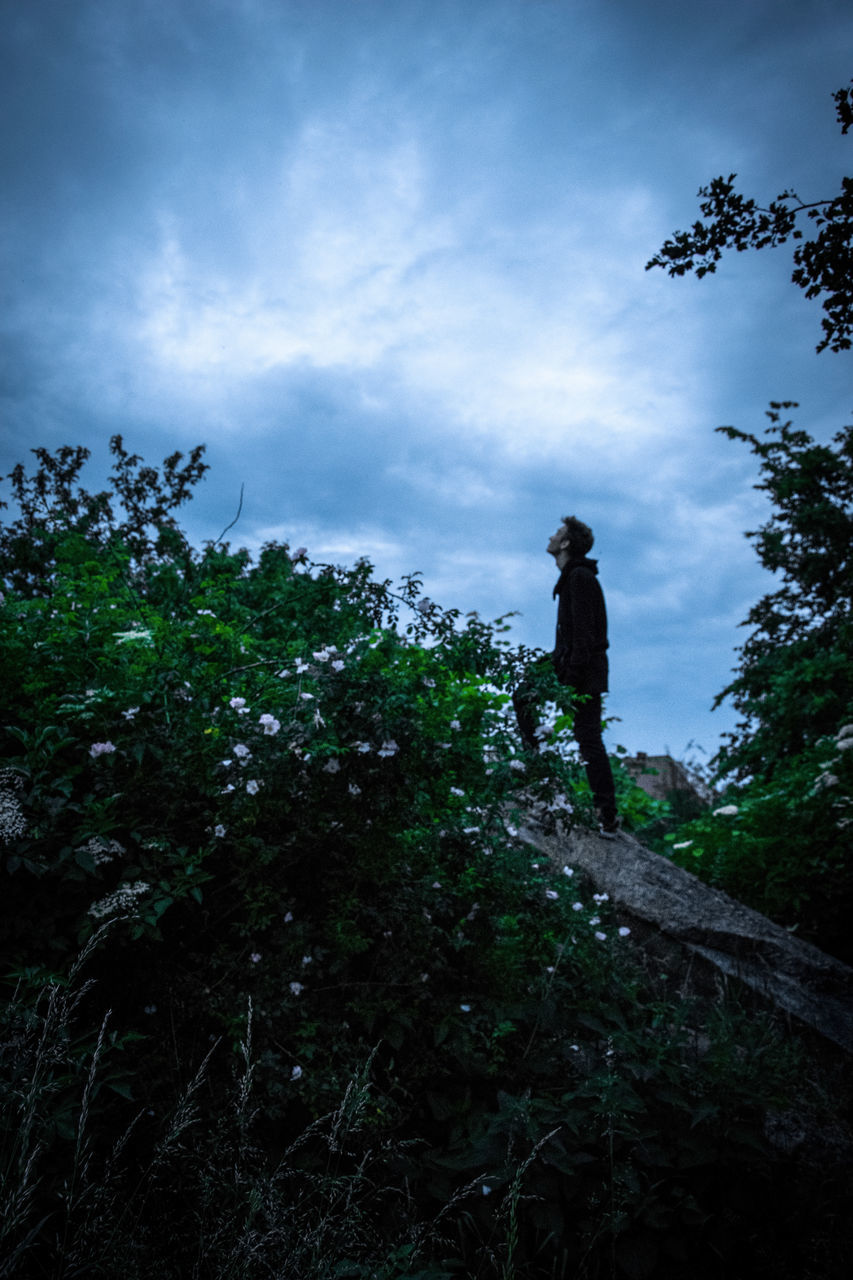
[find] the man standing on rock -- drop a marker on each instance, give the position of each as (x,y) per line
(580,661)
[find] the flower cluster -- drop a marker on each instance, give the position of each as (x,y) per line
(123,899)
(12,821)
(102,851)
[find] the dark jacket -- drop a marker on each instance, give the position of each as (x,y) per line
(580,654)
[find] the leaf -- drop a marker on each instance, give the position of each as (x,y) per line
(122,1088)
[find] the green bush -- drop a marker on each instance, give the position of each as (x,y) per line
(784,847)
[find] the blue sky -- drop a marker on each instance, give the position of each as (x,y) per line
(385,258)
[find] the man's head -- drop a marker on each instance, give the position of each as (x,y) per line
(572,539)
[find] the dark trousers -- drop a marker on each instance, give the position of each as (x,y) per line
(587,731)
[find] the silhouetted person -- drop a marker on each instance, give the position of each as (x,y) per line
(580,661)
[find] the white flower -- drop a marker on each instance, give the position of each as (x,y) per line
(466,1008)
(844,743)
(322,655)
(338,664)
(150,1008)
(436,884)
(205,613)
(567,871)
(255,957)
(253,786)
(296,1073)
(389,748)
(601,936)
(362,747)
(332,766)
(301,666)
(624,931)
(130,713)
(296,988)
(271,725)
(307,697)
(219,831)
(288,917)
(454,724)
(101,749)
(601,897)
(727,811)
(242,753)
(139,634)
(307,959)
(102,851)
(577,906)
(552,894)
(518,765)
(487,1191)
(683,844)
(122,899)
(225,790)
(456,791)
(429,682)
(238,705)
(354,789)
(595,920)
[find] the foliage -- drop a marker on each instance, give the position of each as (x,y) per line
(53,504)
(822,265)
(785,847)
(788,851)
(278,805)
(795,679)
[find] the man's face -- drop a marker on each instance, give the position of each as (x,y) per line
(558,540)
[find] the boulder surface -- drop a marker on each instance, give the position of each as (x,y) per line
(671,911)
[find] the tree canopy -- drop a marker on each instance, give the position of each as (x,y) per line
(794,682)
(823,265)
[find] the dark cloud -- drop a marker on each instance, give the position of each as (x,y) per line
(386,259)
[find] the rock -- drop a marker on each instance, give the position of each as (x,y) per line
(672,912)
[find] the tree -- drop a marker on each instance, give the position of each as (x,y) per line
(795,679)
(823,266)
(53,504)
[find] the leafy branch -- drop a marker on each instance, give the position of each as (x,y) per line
(823,265)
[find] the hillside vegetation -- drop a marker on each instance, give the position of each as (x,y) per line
(286,995)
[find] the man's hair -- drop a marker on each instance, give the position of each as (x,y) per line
(581,536)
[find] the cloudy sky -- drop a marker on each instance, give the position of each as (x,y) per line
(385,258)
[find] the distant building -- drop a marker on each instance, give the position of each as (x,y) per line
(660,776)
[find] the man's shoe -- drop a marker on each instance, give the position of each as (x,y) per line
(609,827)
